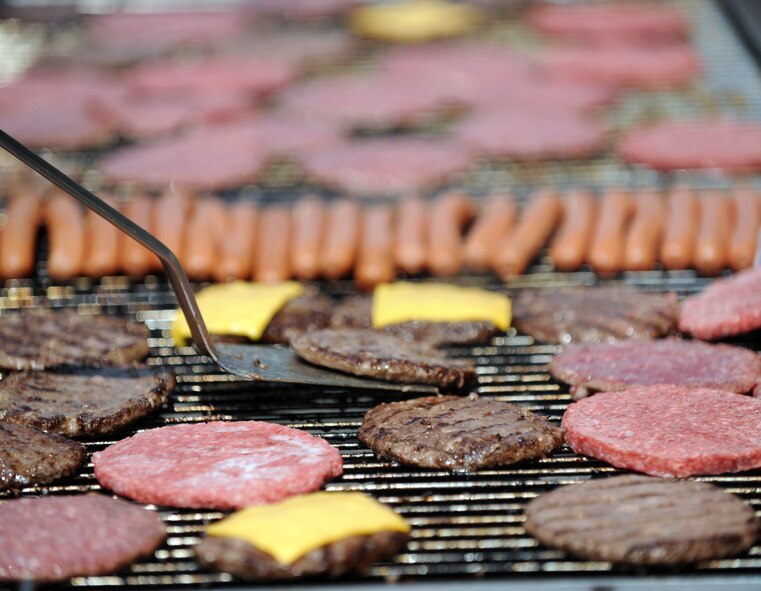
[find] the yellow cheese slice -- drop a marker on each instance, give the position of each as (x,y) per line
(415,20)
(238,308)
(438,302)
(288,530)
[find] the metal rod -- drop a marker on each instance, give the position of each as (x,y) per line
(177,277)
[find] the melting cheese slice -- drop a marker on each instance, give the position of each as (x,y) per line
(288,530)
(238,308)
(415,20)
(438,302)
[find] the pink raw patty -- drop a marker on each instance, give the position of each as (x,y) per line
(668,430)
(51,539)
(220,465)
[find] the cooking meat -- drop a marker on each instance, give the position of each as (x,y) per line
(53,538)
(45,339)
(666,430)
(29,457)
(221,465)
(665,521)
(457,433)
(384,357)
(672,145)
(627,364)
(525,136)
(727,307)
(593,314)
(302,314)
(386,165)
(82,401)
(356,312)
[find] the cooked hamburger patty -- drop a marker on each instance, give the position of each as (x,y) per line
(353,554)
(221,465)
(48,339)
(383,357)
(594,314)
(455,433)
(82,401)
(54,538)
(619,366)
(641,520)
(302,314)
(356,312)
(668,430)
(726,308)
(29,457)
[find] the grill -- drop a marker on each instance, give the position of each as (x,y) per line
(467,529)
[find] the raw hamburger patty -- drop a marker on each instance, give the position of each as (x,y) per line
(727,307)
(623,67)
(48,339)
(354,554)
(54,538)
(356,312)
(383,357)
(531,136)
(455,433)
(672,145)
(593,314)
(219,465)
(667,430)
(626,364)
(29,457)
(82,401)
(598,23)
(386,165)
(641,520)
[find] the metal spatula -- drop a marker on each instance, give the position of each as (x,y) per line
(270,363)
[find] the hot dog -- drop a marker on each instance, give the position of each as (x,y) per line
(449,214)
(308,229)
(101,244)
(712,247)
(236,249)
(375,263)
(568,249)
(682,220)
(410,244)
(606,252)
(273,247)
(490,229)
(134,258)
(646,232)
(742,244)
(535,226)
(339,251)
(170,213)
(65,223)
(18,239)
(204,230)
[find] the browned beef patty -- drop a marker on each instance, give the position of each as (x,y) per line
(594,314)
(45,339)
(455,433)
(29,457)
(383,357)
(302,314)
(353,554)
(82,401)
(643,520)
(356,312)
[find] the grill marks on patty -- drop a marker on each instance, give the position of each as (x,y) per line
(82,401)
(454,433)
(48,339)
(383,357)
(642,520)
(29,457)
(594,314)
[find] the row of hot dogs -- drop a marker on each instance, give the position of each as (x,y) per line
(218,240)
